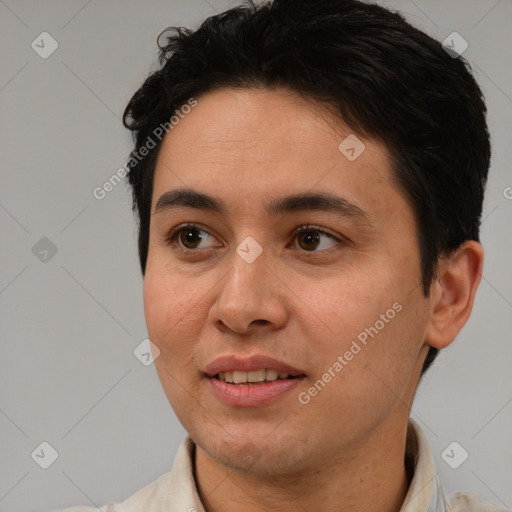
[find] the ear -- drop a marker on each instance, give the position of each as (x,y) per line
(452,294)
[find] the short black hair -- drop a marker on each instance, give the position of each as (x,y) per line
(384,78)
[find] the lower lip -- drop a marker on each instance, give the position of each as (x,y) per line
(255,395)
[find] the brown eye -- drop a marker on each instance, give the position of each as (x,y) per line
(309,238)
(188,238)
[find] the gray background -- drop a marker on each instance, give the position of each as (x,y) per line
(70,323)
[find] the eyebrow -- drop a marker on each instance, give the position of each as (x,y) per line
(319,201)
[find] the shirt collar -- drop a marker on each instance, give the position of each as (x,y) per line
(425,493)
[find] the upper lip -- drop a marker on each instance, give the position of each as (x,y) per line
(232,363)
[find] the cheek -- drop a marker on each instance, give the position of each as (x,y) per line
(160,303)
(374,322)
(168,294)
(175,308)
(165,310)
(171,310)
(381,356)
(351,301)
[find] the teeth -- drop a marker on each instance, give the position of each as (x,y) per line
(240,377)
(257,376)
(272,375)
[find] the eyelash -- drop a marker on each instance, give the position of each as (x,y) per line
(171,238)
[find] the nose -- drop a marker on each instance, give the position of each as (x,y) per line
(250,295)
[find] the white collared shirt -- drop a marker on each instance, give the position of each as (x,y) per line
(176,491)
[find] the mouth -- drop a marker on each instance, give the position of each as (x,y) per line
(251,382)
(253,369)
(255,377)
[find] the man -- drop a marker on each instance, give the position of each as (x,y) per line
(309,179)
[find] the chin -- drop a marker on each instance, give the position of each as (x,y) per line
(266,455)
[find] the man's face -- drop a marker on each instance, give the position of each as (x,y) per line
(341,310)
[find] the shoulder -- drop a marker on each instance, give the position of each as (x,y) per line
(105,508)
(144,499)
(174,490)
(85,509)
(470,502)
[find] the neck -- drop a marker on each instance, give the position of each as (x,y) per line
(370,477)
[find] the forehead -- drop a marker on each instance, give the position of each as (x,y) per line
(243,120)
(248,143)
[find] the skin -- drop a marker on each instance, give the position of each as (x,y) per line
(344,450)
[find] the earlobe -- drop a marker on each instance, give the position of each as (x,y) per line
(453,292)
